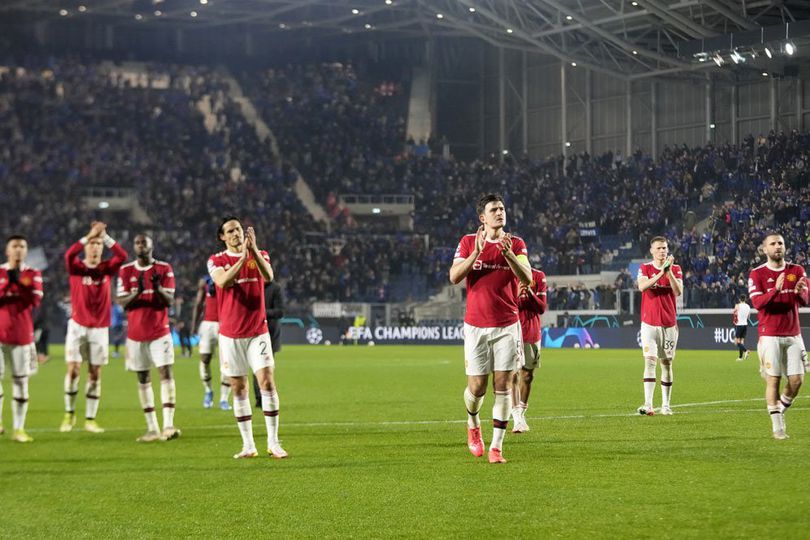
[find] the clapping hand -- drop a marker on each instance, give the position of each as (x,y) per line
(506,244)
(156,280)
(140,283)
(780,281)
(480,239)
(668,262)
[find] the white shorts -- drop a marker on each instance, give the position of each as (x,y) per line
(492,349)
(781,356)
(144,355)
(87,344)
(240,356)
(531,355)
(659,341)
(209,335)
(23,359)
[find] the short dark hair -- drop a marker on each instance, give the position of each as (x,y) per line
(485,200)
(655,239)
(226,219)
(743,298)
(769,234)
(16,237)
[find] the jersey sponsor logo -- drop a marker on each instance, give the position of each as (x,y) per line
(477,265)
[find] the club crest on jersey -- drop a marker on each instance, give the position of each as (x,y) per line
(791,277)
(251,264)
(25,280)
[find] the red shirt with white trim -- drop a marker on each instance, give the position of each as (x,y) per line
(777,311)
(532,305)
(241,306)
(90,297)
(17,301)
(147,315)
(658,303)
(492,287)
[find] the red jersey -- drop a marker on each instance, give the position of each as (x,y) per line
(777,311)
(658,306)
(492,287)
(241,306)
(90,298)
(211,306)
(17,300)
(532,304)
(147,315)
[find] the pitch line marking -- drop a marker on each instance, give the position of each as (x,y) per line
(456,421)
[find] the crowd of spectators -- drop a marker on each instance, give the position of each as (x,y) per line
(68,125)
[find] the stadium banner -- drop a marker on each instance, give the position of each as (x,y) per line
(706,338)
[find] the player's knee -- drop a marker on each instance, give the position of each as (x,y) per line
(527,374)
(143,377)
(165,373)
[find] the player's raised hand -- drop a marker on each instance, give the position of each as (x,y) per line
(669,262)
(156,280)
(97,229)
(506,244)
(141,286)
(250,239)
(801,286)
(780,281)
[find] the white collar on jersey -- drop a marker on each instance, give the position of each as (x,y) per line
(784,265)
(144,268)
(230,253)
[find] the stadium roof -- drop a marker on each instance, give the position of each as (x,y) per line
(626,38)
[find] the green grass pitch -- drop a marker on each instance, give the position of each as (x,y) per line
(377,442)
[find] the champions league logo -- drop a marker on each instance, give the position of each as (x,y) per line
(314,336)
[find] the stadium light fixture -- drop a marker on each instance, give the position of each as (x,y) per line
(768,52)
(389,2)
(282,26)
(635,52)
(439,16)
(203,2)
(368,26)
(568,144)
(712,125)
(193,13)
(355,11)
(158,13)
(573,64)
(634,3)
(790,48)
(103,205)
(737,57)
(375,211)
(82,9)
(505,152)
(472,10)
(764,73)
(63,12)
(718,60)
(569,18)
(138,17)
(509,30)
